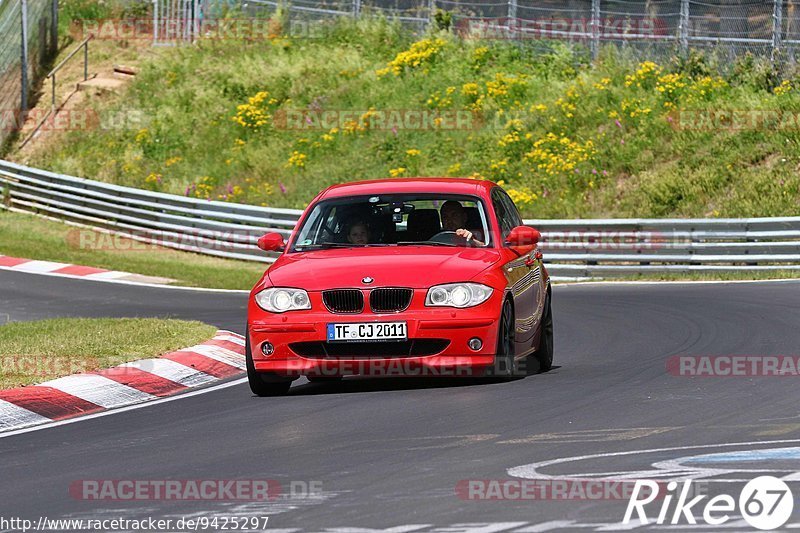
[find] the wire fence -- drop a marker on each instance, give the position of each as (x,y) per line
(28,38)
(652,28)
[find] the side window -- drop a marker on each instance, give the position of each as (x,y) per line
(504,218)
(511,209)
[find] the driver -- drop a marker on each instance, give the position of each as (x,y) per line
(454,218)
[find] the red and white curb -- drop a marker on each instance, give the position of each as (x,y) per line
(127,384)
(74,271)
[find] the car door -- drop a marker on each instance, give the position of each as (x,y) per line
(523,275)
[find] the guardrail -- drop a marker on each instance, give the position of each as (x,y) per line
(572,248)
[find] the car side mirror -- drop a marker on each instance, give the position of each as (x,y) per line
(523,237)
(271,242)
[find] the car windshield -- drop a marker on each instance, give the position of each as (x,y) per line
(395,220)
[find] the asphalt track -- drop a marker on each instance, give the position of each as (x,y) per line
(389,453)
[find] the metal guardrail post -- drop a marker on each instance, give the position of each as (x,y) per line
(24,57)
(777,27)
(512,15)
(356,8)
(155,22)
(595,23)
(683,26)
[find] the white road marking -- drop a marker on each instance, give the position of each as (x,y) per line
(111,274)
(172,371)
(15,416)
(218,353)
(531,471)
(35,267)
(99,390)
(491,527)
(591,435)
(546,526)
(231,338)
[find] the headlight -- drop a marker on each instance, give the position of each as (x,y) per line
(457,295)
(280,300)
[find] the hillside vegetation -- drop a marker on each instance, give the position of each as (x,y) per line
(246,121)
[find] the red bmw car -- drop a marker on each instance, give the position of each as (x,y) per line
(413,277)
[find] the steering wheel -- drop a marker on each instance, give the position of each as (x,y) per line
(447,237)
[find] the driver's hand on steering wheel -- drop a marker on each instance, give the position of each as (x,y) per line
(467,234)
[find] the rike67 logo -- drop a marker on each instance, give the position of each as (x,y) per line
(766,503)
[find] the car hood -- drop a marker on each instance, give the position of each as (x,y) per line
(402,266)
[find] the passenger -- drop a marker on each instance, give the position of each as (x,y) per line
(358,233)
(454,218)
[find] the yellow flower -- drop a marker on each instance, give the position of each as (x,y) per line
(479,54)
(553,155)
(419,54)
(454,169)
(394,172)
(522,196)
(413,152)
(142,135)
(470,89)
(254,114)
(783,88)
(646,73)
(297,159)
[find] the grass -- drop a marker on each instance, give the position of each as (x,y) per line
(32,352)
(567,137)
(31,237)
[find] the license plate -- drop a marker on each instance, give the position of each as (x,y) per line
(368,331)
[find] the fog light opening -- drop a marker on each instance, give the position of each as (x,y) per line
(475,344)
(267,348)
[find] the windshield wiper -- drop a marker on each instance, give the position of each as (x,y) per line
(427,243)
(324,245)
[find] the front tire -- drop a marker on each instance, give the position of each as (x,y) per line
(263,383)
(544,355)
(505,366)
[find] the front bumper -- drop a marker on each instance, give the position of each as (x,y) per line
(437,344)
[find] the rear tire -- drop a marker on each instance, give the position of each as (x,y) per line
(544,355)
(263,383)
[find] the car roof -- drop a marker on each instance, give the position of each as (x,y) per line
(409,185)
